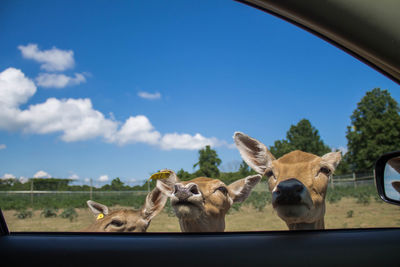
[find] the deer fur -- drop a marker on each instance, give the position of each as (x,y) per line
(298,181)
(130,220)
(202,203)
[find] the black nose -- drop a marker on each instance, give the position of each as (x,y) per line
(183,193)
(288,192)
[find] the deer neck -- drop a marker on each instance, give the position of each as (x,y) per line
(317,225)
(203,223)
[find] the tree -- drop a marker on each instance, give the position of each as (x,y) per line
(117,184)
(244,169)
(208,163)
(302,136)
(183,175)
(374,129)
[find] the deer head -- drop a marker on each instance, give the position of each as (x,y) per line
(202,203)
(298,181)
(130,220)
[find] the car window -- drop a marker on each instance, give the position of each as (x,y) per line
(185,116)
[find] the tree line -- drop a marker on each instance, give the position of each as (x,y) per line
(374,130)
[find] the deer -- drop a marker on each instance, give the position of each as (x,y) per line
(298,181)
(395,164)
(202,203)
(130,220)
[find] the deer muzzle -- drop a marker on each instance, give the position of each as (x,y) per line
(288,192)
(182,193)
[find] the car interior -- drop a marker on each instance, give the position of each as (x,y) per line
(367,30)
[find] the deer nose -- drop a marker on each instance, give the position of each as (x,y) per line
(288,192)
(184,192)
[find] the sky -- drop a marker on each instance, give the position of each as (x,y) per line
(105,89)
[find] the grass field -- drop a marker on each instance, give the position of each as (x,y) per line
(345,213)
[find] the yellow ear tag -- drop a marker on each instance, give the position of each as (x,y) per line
(160,175)
(100,216)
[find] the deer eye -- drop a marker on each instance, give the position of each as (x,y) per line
(269,174)
(223,189)
(116,223)
(325,171)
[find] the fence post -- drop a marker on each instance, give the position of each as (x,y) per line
(32,193)
(91,189)
(354,179)
(332,184)
(374,178)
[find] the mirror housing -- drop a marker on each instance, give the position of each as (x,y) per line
(387,177)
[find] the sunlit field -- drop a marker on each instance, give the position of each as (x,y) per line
(346,213)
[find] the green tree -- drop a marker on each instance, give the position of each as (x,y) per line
(117,184)
(183,175)
(374,129)
(302,136)
(52,184)
(244,169)
(208,163)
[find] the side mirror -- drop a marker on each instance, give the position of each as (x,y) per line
(387,177)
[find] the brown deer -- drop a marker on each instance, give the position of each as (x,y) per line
(298,181)
(202,203)
(395,164)
(130,220)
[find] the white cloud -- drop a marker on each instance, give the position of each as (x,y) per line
(23,179)
(74,176)
(86,180)
(136,130)
(77,120)
(103,178)
(149,96)
(53,59)
(52,80)
(15,88)
(8,176)
(41,174)
(3,146)
(186,141)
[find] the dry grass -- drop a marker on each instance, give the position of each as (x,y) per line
(344,214)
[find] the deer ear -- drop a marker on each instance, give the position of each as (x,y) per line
(167,185)
(156,199)
(253,152)
(97,208)
(332,160)
(241,189)
(155,202)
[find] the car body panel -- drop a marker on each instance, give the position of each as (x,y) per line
(377,247)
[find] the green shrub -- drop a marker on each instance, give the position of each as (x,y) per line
(49,212)
(70,214)
(259,199)
(23,214)
(350,214)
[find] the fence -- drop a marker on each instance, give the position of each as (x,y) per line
(60,199)
(352,179)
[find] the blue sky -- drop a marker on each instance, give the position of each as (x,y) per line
(105,89)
